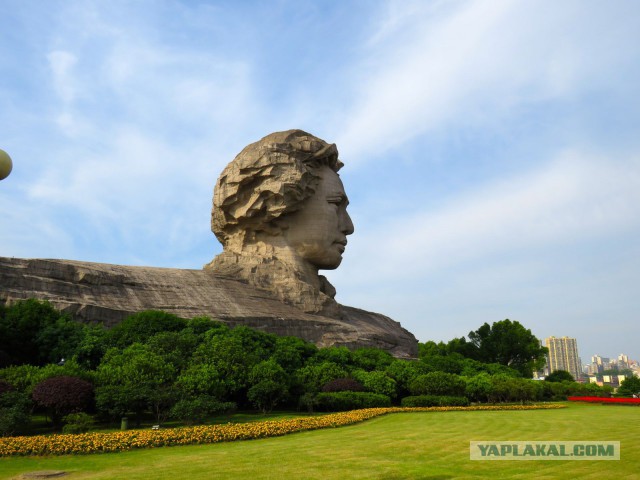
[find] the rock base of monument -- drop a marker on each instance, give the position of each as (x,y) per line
(102,293)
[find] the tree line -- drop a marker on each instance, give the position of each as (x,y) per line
(156,364)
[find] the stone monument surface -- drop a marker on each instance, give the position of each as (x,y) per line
(280,212)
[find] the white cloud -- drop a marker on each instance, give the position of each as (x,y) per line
(455,64)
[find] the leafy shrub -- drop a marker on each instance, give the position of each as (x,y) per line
(434,401)
(15,412)
(308,402)
(438,383)
(197,410)
(478,387)
(505,388)
(376,382)
(346,384)
(77,423)
(340,401)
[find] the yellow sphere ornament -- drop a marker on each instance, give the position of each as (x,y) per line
(5,164)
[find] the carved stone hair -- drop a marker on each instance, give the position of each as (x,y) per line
(266,180)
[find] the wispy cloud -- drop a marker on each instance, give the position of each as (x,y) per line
(444,65)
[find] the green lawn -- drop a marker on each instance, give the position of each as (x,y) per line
(399,446)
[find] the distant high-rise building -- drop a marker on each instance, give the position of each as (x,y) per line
(623,361)
(563,355)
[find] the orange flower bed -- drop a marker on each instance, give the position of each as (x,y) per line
(131,439)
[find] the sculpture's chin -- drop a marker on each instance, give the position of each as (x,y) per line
(329,264)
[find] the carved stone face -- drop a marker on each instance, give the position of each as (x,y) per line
(318,231)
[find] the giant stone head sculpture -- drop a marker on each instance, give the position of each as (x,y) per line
(279,210)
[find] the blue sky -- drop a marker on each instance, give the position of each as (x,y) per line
(491,148)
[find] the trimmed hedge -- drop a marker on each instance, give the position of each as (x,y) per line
(434,401)
(341,401)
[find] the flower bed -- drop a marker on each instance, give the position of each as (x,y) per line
(613,400)
(131,439)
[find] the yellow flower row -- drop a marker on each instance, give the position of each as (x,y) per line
(128,440)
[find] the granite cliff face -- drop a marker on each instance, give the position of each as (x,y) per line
(101,293)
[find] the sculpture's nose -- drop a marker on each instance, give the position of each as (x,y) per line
(346,225)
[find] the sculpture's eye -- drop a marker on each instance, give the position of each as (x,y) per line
(337,200)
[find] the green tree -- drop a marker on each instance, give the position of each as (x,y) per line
(341,356)
(431,348)
(34,332)
(254,344)
(559,376)
(175,347)
(471,368)
(316,375)
(231,356)
(201,325)
(371,359)
(92,347)
(451,363)
(141,326)
(509,343)
(404,372)
(291,353)
(201,379)
(135,379)
(630,386)
(269,386)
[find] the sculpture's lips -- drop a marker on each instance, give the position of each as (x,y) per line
(342,244)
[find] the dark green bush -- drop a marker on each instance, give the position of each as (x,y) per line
(15,413)
(434,401)
(77,423)
(340,401)
(199,409)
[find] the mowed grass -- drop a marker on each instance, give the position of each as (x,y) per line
(424,446)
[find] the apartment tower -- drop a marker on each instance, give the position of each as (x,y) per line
(563,355)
